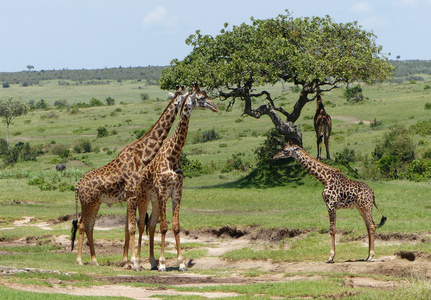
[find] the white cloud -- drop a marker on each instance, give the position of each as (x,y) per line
(157,16)
(362,7)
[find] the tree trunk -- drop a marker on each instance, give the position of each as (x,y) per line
(287,128)
(7,135)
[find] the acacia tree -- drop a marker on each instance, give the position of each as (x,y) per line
(313,53)
(9,110)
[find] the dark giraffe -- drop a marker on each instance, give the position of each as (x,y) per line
(322,126)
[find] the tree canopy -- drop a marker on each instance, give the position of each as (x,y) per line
(9,110)
(313,53)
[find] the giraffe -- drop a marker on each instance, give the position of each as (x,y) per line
(163,179)
(322,126)
(339,192)
(117,181)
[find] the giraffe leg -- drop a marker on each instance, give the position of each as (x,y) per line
(131,211)
(319,143)
(332,231)
(153,223)
(142,207)
(326,138)
(367,215)
(80,242)
(163,230)
(126,239)
(89,231)
(176,199)
(86,224)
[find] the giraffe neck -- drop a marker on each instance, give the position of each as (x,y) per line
(321,171)
(146,147)
(178,139)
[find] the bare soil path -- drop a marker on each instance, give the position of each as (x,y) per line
(404,265)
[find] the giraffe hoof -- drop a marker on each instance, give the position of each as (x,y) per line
(330,261)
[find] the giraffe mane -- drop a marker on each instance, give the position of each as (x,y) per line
(178,93)
(318,161)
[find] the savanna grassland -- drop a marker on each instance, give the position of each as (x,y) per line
(241,238)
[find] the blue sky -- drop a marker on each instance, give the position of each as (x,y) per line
(90,34)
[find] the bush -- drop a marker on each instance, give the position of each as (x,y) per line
(422,128)
(83,146)
(140,133)
(41,104)
(145,96)
(110,101)
(418,170)
(191,168)
(62,103)
(102,132)
(206,136)
(235,163)
(20,152)
(95,102)
(396,151)
(354,94)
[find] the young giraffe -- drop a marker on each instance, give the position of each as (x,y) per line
(322,126)
(117,181)
(338,192)
(163,178)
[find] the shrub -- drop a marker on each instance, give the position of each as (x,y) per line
(62,103)
(95,102)
(140,133)
(145,96)
(102,132)
(428,105)
(110,101)
(20,152)
(206,136)
(84,146)
(41,104)
(422,128)
(394,153)
(418,170)
(191,168)
(354,94)
(235,163)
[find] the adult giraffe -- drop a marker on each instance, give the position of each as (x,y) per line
(322,126)
(338,192)
(163,179)
(117,181)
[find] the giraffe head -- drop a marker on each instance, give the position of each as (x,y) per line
(288,151)
(179,96)
(200,99)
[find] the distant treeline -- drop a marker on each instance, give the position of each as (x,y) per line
(404,70)
(149,74)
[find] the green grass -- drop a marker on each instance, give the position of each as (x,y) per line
(216,199)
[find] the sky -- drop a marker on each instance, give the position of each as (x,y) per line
(95,34)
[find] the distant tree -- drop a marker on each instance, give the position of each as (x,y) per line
(110,101)
(9,110)
(312,53)
(30,67)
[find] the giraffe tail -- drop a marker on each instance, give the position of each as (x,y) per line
(147,223)
(75,222)
(383,219)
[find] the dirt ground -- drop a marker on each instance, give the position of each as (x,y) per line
(404,264)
